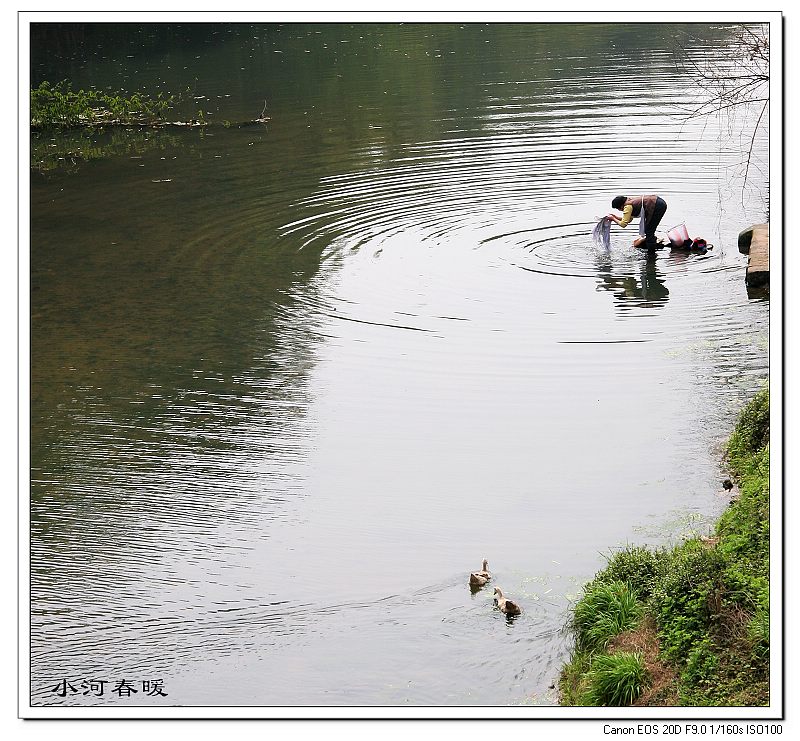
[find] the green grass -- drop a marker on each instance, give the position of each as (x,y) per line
(637,566)
(709,602)
(616,679)
(605,611)
(758,632)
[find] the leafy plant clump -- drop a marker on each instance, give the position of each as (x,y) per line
(605,611)
(616,679)
(707,600)
(59,106)
(637,566)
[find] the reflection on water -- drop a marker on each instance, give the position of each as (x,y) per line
(647,289)
(290,384)
(72,149)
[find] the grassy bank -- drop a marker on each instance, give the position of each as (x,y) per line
(687,625)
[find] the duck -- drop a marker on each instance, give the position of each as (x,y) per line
(479,578)
(727,484)
(505,606)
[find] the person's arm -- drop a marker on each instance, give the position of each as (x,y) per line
(627,215)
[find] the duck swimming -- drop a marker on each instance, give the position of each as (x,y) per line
(506,606)
(479,578)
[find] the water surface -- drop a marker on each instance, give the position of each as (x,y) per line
(291,383)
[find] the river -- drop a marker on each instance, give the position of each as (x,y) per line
(291,383)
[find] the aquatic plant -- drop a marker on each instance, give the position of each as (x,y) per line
(59,106)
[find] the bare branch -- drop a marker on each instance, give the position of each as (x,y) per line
(753,139)
(735,78)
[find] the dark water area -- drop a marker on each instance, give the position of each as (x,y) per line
(291,382)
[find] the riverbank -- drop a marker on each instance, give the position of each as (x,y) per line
(688,625)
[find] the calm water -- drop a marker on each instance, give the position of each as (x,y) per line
(291,383)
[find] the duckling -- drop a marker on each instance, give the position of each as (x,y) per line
(727,484)
(505,605)
(479,578)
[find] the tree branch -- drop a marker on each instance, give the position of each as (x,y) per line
(753,139)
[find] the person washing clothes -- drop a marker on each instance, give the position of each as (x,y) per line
(654,209)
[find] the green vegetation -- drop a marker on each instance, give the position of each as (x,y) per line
(70,127)
(604,612)
(697,615)
(59,106)
(616,679)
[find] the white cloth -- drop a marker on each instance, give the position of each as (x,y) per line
(601,234)
(642,221)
